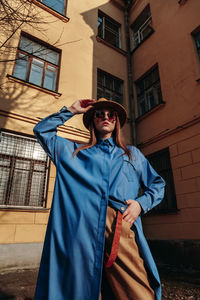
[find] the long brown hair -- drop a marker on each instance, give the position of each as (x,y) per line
(116,134)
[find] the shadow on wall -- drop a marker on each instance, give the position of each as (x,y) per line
(91,19)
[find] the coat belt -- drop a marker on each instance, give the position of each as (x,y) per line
(115,243)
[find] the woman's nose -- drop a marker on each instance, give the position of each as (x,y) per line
(105,116)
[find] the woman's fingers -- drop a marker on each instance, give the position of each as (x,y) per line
(86,102)
(132,212)
(81,106)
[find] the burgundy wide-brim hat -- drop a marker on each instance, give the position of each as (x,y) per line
(103,103)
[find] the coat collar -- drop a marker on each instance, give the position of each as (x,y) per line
(109,141)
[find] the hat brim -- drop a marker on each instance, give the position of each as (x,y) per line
(121,112)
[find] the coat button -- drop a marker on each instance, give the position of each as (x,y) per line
(122,208)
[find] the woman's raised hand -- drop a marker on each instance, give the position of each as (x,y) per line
(81,106)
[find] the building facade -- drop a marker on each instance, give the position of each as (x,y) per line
(143,54)
(166,74)
(64,53)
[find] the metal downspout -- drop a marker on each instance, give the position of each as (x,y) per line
(130,75)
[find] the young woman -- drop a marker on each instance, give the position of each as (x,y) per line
(94,230)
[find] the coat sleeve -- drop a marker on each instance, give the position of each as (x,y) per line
(152,184)
(46,131)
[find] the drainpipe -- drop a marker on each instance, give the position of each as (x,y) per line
(130,75)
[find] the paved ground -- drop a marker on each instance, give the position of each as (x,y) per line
(177,284)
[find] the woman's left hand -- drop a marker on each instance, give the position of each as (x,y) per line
(132,212)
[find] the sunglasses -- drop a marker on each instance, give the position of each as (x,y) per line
(100,114)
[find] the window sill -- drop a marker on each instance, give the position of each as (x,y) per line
(15,79)
(110,45)
(162,104)
(24,208)
(51,11)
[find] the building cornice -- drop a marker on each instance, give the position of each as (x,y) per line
(64,128)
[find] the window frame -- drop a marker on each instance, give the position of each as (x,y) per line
(111,91)
(166,205)
(111,20)
(32,56)
(138,34)
(12,159)
(155,88)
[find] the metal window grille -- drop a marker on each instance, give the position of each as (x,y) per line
(109,30)
(149,92)
(161,163)
(109,87)
(23,171)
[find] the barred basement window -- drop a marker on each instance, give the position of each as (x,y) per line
(141,27)
(109,87)
(160,161)
(37,63)
(149,92)
(109,29)
(23,171)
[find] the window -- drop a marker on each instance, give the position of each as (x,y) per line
(109,87)
(160,161)
(23,171)
(197,42)
(109,30)
(141,27)
(57,5)
(37,64)
(149,92)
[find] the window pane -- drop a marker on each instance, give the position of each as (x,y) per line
(141,106)
(37,189)
(100,78)
(109,87)
(197,39)
(161,163)
(150,99)
(21,66)
(111,37)
(110,25)
(19,187)
(30,46)
(52,57)
(100,93)
(4,176)
(36,72)
(109,83)
(39,50)
(57,5)
(100,26)
(50,78)
(118,86)
(149,90)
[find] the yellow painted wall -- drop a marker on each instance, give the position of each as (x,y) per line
(21,106)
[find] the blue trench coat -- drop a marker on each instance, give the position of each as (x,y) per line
(72,259)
